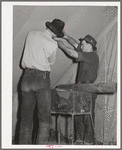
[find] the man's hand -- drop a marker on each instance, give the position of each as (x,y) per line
(68,50)
(56,38)
(59,42)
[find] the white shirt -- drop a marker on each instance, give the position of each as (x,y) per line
(40,51)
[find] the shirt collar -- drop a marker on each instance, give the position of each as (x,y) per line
(48,34)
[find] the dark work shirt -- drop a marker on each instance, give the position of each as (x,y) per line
(88,63)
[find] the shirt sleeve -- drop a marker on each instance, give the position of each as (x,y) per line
(78,48)
(89,57)
(52,57)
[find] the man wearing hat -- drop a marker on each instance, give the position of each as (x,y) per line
(39,54)
(88,63)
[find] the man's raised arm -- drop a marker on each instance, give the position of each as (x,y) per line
(70,40)
(68,50)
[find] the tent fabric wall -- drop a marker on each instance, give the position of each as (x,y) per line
(68,77)
(106,105)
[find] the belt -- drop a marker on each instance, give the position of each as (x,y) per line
(29,69)
(33,69)
(37,71)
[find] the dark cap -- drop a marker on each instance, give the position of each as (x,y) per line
(89,39)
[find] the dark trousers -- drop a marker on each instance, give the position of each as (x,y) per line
(35,88)
(84,127)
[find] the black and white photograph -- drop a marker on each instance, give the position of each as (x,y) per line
(60,75)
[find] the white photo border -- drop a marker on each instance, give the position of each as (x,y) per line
(7,68)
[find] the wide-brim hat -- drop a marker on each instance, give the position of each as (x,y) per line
(56,26)
(91,40)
